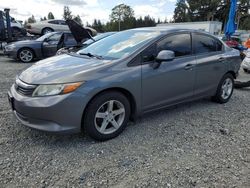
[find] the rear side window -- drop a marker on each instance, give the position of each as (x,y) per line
(62,22)
(179,43)
(205,44)
(54,22)
(69,39)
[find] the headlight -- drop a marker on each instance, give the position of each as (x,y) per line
(10,47)
(55,89)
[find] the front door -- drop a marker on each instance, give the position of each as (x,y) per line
(173,81)
(49,46)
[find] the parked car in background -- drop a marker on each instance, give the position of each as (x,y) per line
(84,44)
(43,47)
(47,26)
(123,76)
(17,27)
(234,42)
(246,62)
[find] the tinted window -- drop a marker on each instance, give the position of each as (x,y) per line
(63,22)
(219,46)
(180,44)
(69,39)
(149,54)
(55,37)
(204,44)
(54,22)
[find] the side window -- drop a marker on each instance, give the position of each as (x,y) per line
(205,44)
(62,22)
(54,22)
(55,37)
(69,39)
(149,53)
(219,46)
(179,43)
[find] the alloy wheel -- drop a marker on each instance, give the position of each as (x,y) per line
(26,55)
(109,117)
(227,88)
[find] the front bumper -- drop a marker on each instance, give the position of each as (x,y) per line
(12,53)
(59,114)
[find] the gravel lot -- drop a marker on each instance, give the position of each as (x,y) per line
(199,144)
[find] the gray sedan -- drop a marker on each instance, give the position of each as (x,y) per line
(43,47)
(122,77)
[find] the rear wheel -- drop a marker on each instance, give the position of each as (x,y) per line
(47,30)
(225,89)
(107,115)
(26,55)
(245,70)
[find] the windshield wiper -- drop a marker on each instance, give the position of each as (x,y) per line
(92,55)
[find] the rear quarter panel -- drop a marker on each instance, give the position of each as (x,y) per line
(233,60)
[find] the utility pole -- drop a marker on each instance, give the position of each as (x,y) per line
(119,22)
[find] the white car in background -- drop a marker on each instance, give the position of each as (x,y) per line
(246,62)
(47,26)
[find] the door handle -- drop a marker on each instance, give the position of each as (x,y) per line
(221,59)
(189,66)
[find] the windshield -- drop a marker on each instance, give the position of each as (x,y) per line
(96,38)
(121,44)
(45,36)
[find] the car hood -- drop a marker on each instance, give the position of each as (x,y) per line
(79,32)
(25,42)
(61,69)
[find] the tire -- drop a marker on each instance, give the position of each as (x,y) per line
(99,120)
(46,30)
(226,84)
(26,55)
(245,70)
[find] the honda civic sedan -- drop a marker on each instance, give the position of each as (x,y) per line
(121,77)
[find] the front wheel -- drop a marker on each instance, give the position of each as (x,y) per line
(26,55)
(225,89)
(107,115)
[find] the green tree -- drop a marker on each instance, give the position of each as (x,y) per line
(51,16)
(123,16)
(78,19)
(67,14)
(181,12)
(210,10)
(31,19)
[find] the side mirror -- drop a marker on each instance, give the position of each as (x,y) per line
(165,55)
(46,40)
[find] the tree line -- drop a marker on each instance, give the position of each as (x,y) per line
(212,10)
(122,16)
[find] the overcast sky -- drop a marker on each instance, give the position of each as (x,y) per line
(87,9)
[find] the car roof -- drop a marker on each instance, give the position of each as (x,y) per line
(169,29)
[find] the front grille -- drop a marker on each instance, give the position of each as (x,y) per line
(23,88)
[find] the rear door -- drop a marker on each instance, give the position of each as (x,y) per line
(210,63)
(173,81)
